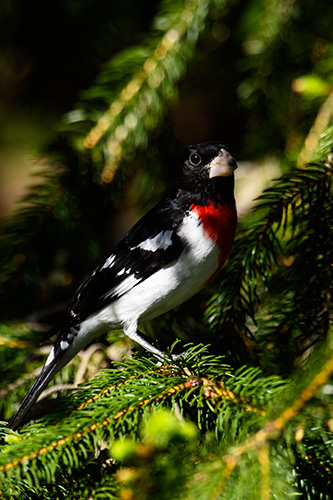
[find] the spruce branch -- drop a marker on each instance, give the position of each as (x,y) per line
(104,411)
(273,428)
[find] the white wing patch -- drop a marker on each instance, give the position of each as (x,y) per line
(50,357)
(64,345)
(159,242)
(109,262)
(121,272)
(123,287)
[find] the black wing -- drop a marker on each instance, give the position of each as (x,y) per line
(150,245)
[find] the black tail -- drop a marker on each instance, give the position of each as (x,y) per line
(57,360)
(39,385)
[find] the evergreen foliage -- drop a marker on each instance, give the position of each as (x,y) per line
(247,412)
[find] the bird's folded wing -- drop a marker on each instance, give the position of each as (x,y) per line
(151,244)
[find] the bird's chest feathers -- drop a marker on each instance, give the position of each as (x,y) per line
(218,224)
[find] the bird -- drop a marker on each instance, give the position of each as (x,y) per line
(169,255)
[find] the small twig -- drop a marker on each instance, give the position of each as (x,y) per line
(85,358)
(19,382)
(263,457)
(59,388)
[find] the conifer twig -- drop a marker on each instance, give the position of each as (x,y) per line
(321,122)
(274,427)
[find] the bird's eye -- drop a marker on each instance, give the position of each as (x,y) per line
(195,159)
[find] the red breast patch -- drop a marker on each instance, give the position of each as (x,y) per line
(219,223)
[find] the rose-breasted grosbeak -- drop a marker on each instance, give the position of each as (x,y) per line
(167,257)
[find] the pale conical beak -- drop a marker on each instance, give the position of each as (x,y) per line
(223,165)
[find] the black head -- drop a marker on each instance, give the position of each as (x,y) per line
(206,166)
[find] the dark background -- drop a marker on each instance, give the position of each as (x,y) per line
(259,75)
